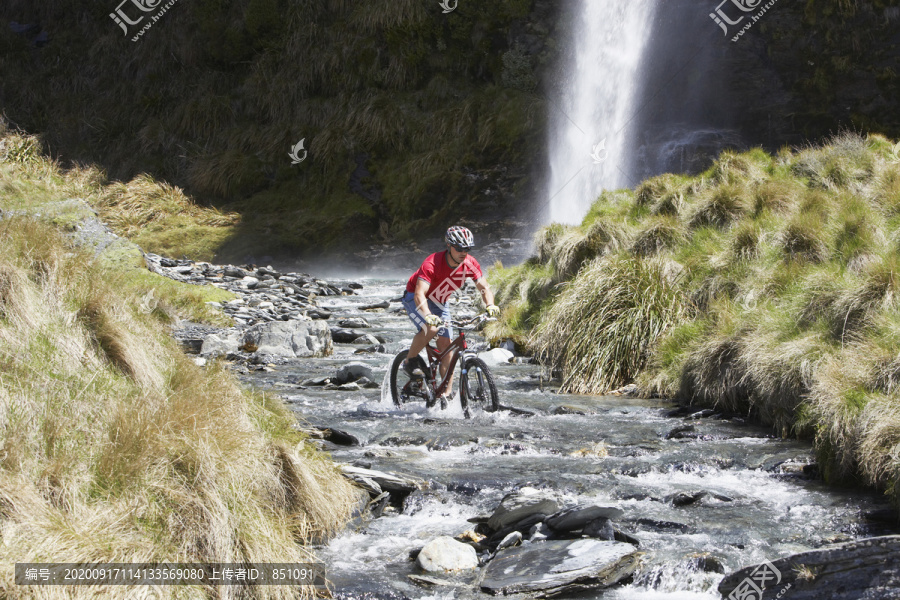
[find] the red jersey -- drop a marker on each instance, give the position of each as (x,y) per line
(444,280)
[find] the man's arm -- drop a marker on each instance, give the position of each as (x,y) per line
(487,296)
(422,288)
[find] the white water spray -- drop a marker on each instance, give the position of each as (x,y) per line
(590,139)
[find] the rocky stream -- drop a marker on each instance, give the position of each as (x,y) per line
(601,496)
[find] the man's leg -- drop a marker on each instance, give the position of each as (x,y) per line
(421,339)
(442,344)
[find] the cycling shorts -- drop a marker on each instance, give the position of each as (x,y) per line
(418,319)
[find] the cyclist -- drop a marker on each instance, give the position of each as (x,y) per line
(428,290)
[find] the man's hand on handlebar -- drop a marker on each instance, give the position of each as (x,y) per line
(493,311)
(433,320)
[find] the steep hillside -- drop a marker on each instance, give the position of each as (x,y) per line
(407,114)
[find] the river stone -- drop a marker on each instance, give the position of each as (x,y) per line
(389,482)
(600,529)
(290,339)
(512,539)
(496,357)
(380,305)
(345,336)
(558,566)
(521,503)
(446,554)
(572,519)
(354,322)
(353,371)
(868,568)
(221,344)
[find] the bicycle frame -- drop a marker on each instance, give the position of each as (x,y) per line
(458,347)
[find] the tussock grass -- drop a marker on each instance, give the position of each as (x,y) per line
(574,246)
(660,234)
(117,448)
(631,302)
(783,305)
(724,204)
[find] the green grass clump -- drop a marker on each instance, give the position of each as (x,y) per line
(766,286)
(118,448)
(616,308)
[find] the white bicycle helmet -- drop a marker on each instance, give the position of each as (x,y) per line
(460,237)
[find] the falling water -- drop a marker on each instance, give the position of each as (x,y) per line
(590,139)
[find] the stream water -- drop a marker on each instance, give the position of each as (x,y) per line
(609,450)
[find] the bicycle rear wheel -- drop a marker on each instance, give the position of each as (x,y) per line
(476,388)
(405,389)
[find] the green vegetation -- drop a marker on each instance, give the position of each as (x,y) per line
(115,446)
(397,104)
(768,286)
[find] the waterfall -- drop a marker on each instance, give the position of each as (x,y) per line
(591,143)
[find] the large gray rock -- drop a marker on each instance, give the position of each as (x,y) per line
(521,503)
(575,518)
(868,568)
(221,344)
(446,554)
(558,566)
(290,339)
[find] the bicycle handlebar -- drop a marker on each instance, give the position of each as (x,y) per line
(472,323)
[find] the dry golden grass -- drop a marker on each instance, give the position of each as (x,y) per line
(117,448)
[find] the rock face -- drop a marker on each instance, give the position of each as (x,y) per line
(446,554)
(557,566)
(520,504)
(868,568)
(290,339)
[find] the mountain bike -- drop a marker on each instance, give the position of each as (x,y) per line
(476,383)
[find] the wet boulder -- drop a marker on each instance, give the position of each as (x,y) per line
(553,567)
(352,372)
(446,554)
(354,323)
(868,568)
(520,504)
(346,336)
(577,517)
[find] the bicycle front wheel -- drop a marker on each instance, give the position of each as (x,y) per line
(476,388)
(405,389)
